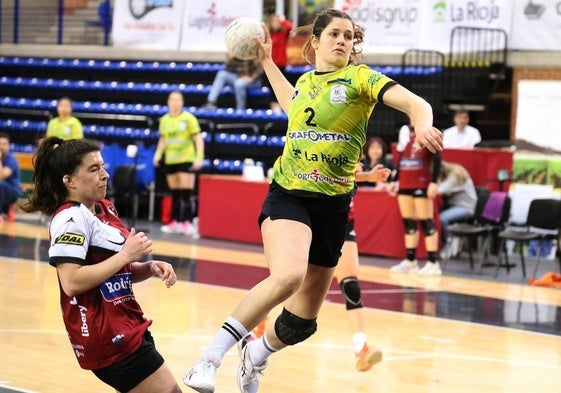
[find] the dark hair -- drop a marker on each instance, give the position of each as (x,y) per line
(67,98)
(321,21)
(370,141)
(5,136)
(54,159)
(461,111)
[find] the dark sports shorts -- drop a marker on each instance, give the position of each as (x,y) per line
(327,218)
(182,167)
(129,372)
(350,234)
(414,192)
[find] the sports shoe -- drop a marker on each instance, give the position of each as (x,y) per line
(259,330)
(367,357)
(208,106)
(430,269)
(405,266)
(172,227)
(201,377)
(186,228)
(248,373)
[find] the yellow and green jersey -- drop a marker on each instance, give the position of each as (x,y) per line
(327,125)
(70,128)
(178,132)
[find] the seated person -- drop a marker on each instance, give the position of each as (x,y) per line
(65,125)
(10,188)
(461,135)
(240,75)
(459,199)
(375,152)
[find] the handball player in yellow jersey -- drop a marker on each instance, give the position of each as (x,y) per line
(304,216)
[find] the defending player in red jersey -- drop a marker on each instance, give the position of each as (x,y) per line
(96,259)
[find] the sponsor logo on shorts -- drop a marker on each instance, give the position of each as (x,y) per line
(70,238)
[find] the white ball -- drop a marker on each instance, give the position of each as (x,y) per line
(239,37)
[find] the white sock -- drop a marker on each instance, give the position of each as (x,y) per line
(260,350)
(359,340)
(229,334)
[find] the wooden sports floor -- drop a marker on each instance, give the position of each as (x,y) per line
(448,334)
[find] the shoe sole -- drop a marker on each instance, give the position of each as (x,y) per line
(374,358)
(200,389)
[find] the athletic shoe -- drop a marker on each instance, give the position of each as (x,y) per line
(367,357)
(248,374)
(259,330)
(208,106)
(186,228)
(406,266)
(201,377)
(172,227)
(195,224)
(430,269)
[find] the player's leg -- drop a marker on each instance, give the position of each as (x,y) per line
(162,380)
(172,179)
(425,212)
(408,214)
(185,185)
(346,274)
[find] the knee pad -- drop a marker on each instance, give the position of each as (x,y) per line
(428,227)
(351,293)
(410,226)
(291,329)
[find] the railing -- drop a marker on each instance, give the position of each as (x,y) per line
(85,22)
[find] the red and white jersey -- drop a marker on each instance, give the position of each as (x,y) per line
(415,162)
(104,324)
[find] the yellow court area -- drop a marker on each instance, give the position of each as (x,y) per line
(421,353)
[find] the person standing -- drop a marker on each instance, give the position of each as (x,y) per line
(97,261)
(238,74)
(279,30)
(461,135)
(10,187)
(65,125)
(307,205)
(418,171)
(183,146)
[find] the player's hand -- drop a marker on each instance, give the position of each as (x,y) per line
(198,164)
(137,246)
(430,137)
(156,162)
(378,174)
(165,271)
(432,190)
(264,46)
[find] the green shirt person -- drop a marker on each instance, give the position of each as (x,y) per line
(65,125)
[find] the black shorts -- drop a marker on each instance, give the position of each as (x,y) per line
(327,218)
(182,167)
(129,372)
(350,235)
(414,192)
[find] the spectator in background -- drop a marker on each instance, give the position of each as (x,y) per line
(418,171)
(375,153)
(461,135)
(65,125)
(240,75)
(10,188)
(459,200)
(181,142)
(279,30)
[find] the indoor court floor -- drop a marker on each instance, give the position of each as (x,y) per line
(462,332)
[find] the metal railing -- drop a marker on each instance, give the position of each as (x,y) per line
(85,22)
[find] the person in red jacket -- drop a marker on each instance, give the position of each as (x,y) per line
(97,261)
(279,30)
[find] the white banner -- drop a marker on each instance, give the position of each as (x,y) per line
(205,22)
(538,118)
(439,18)
(537,25)
(147,24)
(389,25)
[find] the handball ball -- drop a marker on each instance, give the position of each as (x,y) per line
(239,37)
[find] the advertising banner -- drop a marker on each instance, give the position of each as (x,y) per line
(536,25)
(149,24)
(205,22)
(440,17)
